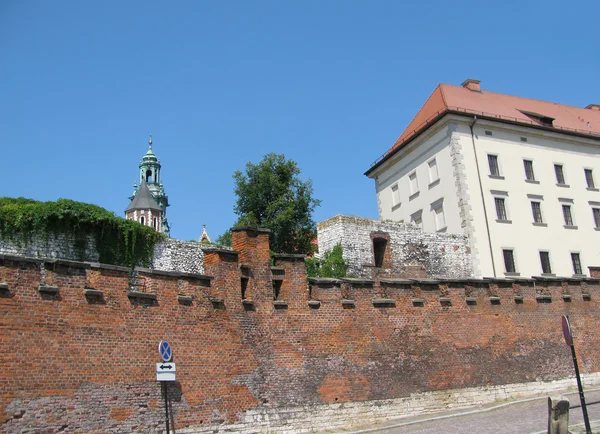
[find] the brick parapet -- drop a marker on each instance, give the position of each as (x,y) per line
(86,363)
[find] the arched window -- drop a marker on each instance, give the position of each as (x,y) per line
(154,223)
(148,175)
(142,220)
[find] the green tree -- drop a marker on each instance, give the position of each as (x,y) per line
(271,195)
(224,239)
(331,264)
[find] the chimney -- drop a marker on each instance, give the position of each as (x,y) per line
(595,107)
(471,84)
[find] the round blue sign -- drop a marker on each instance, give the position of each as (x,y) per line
(164,349)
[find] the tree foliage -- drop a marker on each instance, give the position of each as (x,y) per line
(331,264)
(118,241)
(224,239)
(271,195)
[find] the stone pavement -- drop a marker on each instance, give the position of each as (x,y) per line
(527,416)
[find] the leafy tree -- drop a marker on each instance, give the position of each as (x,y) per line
(224,239)
(271,195)
(332,264)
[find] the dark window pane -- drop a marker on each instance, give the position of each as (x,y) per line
(500,209)
(567,215)
(560,177)
(509,261)
(493,162)
(576,263)
(589,178)
(596,216)
(545,260)
(529,175)
(537,212)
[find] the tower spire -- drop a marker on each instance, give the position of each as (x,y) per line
(150,168)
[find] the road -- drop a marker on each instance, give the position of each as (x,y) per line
(520,417)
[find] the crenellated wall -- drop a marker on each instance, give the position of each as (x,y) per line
(79,343)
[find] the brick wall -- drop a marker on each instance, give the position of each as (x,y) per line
(79,345)
(410,251)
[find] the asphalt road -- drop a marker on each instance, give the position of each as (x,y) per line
(521,417)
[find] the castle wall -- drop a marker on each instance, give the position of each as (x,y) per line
(79,344)
(169,254)
(412,252)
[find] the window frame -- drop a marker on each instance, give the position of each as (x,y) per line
(396,202)
(546,254)
(433,170)
(495,167)
(513,262)
(589,180)
(435,206)
(414,189)
(567,214)
(502,201)
(578,256)
(539,214)
(529,171)
(596,216)
(559,168)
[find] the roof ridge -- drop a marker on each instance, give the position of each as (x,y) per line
(519,97)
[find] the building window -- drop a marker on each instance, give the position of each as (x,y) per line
(395,195)
(438,216)
(488,133)
(545,261)
(142,220)
(509,261)
(576,260)
(589,178)
(536,209)
(567,215)
(417,218)
(154,223)
(560,176)
(529,175)
(414,185)
(493,163)
(433,171)
(500,208)
(596,212)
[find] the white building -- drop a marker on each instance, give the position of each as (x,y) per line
(520,177)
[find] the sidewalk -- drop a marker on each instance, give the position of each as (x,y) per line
(525,416)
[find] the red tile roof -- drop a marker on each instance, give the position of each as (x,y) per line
(457,99)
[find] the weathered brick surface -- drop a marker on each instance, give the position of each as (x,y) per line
(73,363)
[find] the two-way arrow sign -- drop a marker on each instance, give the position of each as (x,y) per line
(165,371)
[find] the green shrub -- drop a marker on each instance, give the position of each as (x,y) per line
(118,241)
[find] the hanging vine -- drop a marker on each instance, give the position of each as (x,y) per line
(117,241)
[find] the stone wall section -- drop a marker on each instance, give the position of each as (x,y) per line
(50,245)
(414,253)
(169,254)
(176,255)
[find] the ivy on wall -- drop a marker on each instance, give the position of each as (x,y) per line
(117,241)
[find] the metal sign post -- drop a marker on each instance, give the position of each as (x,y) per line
(165,372)
(568,334)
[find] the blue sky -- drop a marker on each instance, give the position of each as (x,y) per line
(330,84)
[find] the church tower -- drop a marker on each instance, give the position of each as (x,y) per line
(149,203)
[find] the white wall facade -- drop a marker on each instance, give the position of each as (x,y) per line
(468,195)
